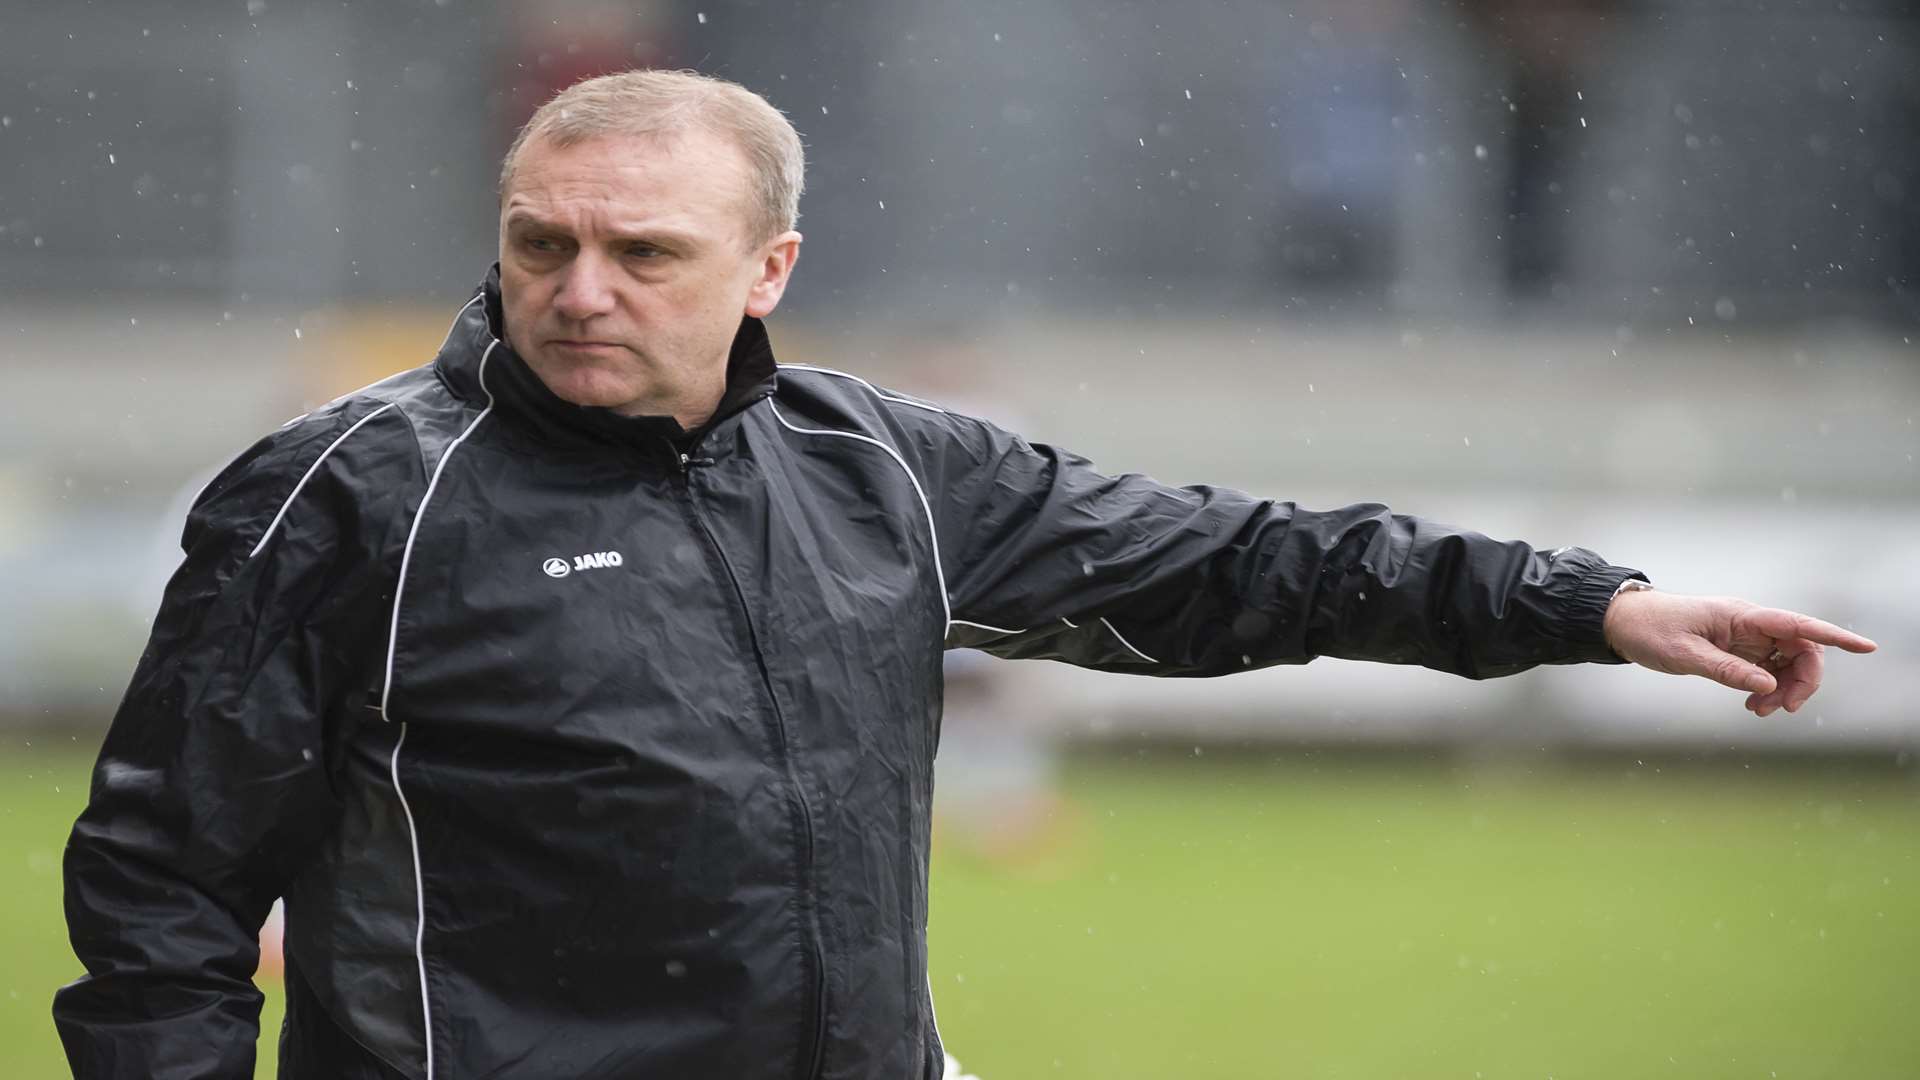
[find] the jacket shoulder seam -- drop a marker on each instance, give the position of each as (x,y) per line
(312,470)
(889,409)
(413,433)
(889,396)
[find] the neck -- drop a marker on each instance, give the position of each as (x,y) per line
(690,406)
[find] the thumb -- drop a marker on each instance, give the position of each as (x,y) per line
(1698,656)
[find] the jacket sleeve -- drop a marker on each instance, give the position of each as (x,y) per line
(1046,557)
(212,781)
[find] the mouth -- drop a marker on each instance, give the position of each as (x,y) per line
(581,345)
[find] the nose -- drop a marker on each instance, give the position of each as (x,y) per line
(585,288)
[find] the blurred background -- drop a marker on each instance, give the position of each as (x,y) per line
(1637,276)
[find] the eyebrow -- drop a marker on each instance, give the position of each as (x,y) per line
(659,237)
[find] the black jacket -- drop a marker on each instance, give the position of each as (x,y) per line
(582,748)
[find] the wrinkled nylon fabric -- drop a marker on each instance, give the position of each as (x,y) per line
(633,766)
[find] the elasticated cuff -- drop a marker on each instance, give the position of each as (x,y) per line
(1585,614)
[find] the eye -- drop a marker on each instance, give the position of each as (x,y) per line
(644,251)
(540,243)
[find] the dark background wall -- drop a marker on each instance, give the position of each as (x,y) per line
(1624,163)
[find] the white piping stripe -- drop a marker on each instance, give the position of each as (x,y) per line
(984,626)
(420,902)
(933,1015)
(268,535)
(877,392)
(455,324)
(1070,625)
(444,338)
(406,556)
(1128,644)
(933,534)
(386,690)
(448,337)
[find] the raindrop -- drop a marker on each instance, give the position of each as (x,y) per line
(255,7)
(1479,152)
(883,204)
(676,969)
(1189,94)
(702,17)
(296,333)
(110,160)
(1725,309)
(1583,121)
(1465,441)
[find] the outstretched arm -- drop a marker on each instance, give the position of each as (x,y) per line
(1046,557)
(1775,655)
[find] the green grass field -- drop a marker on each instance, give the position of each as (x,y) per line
(1332,916)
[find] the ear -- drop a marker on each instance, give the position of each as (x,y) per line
(777,257)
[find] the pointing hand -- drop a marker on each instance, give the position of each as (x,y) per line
(1773,654)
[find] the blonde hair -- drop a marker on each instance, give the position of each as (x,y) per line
(666,103)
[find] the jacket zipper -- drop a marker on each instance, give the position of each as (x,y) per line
(814,1052)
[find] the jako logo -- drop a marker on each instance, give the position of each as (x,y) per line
(559,568)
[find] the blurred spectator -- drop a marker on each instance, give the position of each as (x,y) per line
(1548,55)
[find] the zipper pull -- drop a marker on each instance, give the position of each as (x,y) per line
(684,462)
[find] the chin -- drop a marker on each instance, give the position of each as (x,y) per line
(587,384)
(590,399)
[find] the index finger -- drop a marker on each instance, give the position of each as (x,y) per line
(1779,623)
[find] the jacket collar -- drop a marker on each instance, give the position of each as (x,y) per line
(479,365)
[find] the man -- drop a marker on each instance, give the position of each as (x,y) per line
(579,690)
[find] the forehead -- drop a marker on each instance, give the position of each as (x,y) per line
(693,178)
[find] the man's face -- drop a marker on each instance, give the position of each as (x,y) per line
(626,264)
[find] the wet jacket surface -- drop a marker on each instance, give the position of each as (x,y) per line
(582,748)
